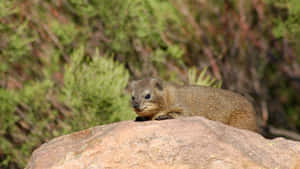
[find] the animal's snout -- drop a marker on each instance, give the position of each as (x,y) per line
(135,105)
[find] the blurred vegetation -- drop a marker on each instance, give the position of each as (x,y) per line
(96,91)
(203,79)
(65,64)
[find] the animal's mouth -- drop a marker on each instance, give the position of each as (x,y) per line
(141,112)
(137,110)
(146,110)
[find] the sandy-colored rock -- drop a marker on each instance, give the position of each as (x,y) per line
(189,143)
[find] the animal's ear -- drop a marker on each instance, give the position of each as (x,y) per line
(157,83)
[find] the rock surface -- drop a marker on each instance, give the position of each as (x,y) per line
(189,143)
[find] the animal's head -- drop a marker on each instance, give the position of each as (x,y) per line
(146,96)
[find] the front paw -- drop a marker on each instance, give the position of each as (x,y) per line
(163,117)
(139,118)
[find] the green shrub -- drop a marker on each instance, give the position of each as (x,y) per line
(131,25)
(65,32)
(96,90)
(7,122)
(288,26)
(288,22)
(25,117)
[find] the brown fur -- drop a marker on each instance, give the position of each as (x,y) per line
(172,101)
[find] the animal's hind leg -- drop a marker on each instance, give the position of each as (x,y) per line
(243,120)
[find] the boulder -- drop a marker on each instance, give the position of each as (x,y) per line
(187,143)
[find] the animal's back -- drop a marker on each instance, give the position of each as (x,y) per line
(215,104)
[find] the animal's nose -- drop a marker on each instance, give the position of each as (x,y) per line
(135,105)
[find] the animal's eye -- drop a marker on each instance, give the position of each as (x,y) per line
(147,96)
(132,97)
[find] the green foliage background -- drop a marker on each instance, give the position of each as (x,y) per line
(65,64)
